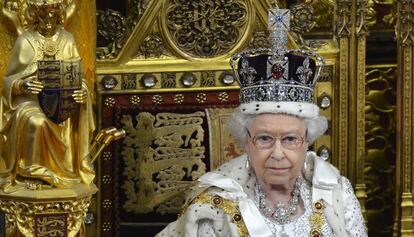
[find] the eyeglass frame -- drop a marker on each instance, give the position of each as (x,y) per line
(252,139)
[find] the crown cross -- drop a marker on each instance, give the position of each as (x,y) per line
(279,25)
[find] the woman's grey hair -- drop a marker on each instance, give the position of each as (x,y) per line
(240,122)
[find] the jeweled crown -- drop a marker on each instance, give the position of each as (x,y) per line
(277,74)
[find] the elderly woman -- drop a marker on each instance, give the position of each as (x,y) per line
(278,188)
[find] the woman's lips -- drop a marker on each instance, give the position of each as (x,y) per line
(278,170)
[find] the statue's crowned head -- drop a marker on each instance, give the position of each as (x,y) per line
(46,15)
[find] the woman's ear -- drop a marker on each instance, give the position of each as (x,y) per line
(306,144)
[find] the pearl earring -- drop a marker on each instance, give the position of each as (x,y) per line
(248,162)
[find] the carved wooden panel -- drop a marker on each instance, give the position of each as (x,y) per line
(380,163)
(145,177)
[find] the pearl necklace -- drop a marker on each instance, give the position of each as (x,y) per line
(279,213)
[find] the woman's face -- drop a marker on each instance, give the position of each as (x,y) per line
(282,162)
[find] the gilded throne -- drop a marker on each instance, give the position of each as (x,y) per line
(162,74)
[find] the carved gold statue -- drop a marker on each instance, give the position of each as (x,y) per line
(46,126)
(37,151)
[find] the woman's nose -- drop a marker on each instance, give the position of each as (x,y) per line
(277,152)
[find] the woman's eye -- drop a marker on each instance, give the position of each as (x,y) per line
(290,139)
(265,138)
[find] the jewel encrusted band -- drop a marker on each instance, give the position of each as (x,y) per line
(275,93)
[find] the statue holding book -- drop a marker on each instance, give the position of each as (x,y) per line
(47,106)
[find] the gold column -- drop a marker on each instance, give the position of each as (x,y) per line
(344,34)
(404,217)
(351,32)
(359,104)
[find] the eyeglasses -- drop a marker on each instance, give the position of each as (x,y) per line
(267,141)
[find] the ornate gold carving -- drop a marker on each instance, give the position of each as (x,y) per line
(109,102)
(106,227)
(135,100)
(380,167)
(344,18)
(407,107)
(370,13)
(50,225)
(164,81)
(111,27)
(223,147)
(259,40)
(152,46)
(206,29)
(135,9)
(208,78)
(114,28)
(107,155)
(157,99)
(406,120)
(321,7)
(106,179)
(360,188)
(404,29)
(326,74)
(365,15)
(111,24)
(23,215)
(405,37)
(201,98)
(179,98)
(229,207)
(302,21)
(223,96)
(129,81)
(343,106)
(168,80)
(390,18)
(163,155)
(107,203)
